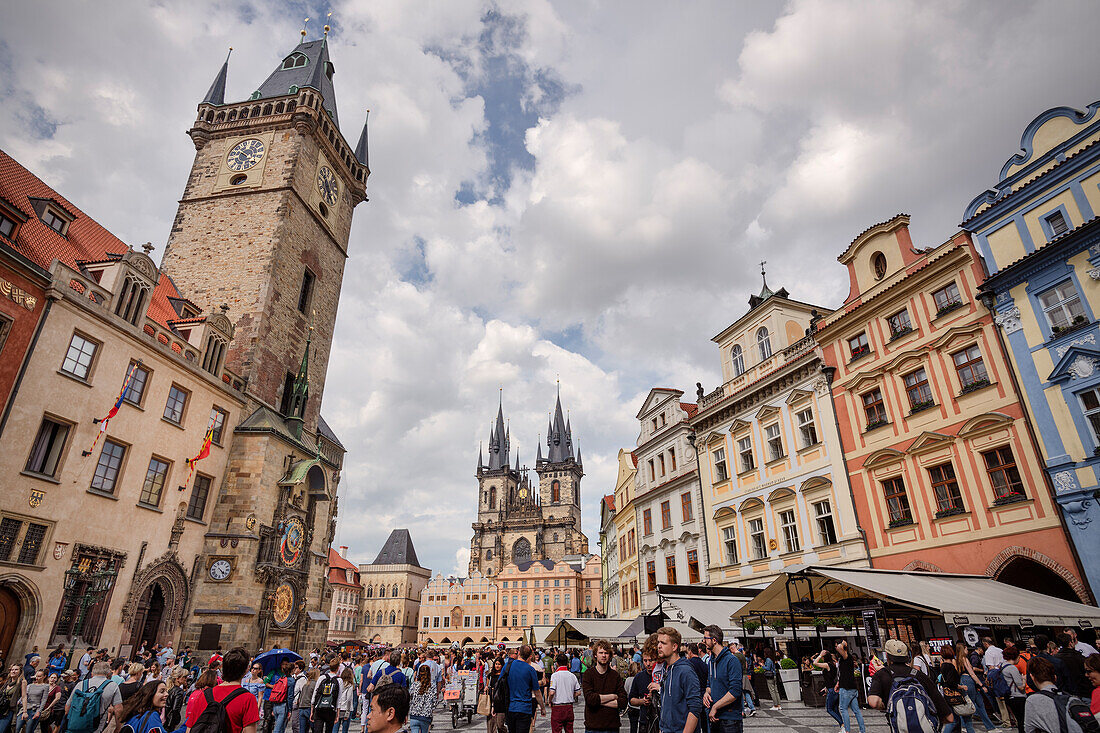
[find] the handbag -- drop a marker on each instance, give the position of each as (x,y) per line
(483,707)
(966,709)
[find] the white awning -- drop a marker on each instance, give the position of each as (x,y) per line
(961,599)
(701,611)
(583,630)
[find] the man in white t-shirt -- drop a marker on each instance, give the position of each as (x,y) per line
(564,689)
(994,656)
(1085,648)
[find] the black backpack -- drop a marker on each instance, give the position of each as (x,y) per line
(328,693)
(502,694)
(1073,708)
(214,718)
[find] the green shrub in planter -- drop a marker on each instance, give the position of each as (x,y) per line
(752,626)
(788,663)
(778,625)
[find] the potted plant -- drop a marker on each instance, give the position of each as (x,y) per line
(778,625)
(845,622)
(751,627)
(788,673)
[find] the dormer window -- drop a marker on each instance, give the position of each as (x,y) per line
(132,300)
(53,221)
(7,226)
(52,215)
(329,70)
(295,61)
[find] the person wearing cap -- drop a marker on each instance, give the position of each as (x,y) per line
(898,665)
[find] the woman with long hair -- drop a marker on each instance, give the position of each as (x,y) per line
(303,695)
(494,721)
(12,689)
(208,678)
(972,682)
(346,707)
(177,698)
(422,699)
(771,676)
(52,712)
(153,673)
(954,691)
(1092,672)
(141,713)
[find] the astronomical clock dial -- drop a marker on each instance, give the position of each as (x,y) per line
(327,185)
(245,154)
(220,569)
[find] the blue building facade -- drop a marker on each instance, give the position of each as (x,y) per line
(1039,235)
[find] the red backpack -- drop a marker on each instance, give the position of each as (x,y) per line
(278,691)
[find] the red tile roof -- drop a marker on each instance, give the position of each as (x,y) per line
(610,501)
(85,241)
(690,408)
(337,564)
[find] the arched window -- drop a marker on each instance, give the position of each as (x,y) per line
(555,491)
(393,618)
(878,261)
(378,618)
(737,358)
(382,591)
(521,550)
(493,497)
(294,61)
(370,591)
(489,554)
(394,592)
(764,343)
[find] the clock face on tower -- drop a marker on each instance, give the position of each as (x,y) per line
(220,569)
(327,185)
(245,154)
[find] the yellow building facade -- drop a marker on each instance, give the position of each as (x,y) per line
(772,474)
(626,531)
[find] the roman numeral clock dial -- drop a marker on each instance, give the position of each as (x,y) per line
(245,154)
(327,185)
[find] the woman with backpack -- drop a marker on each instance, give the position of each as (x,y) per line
(142,711)
(1016,696)
(282,692)
(303,693)
(423,698)
(955,692)
(494,721)
(10,695)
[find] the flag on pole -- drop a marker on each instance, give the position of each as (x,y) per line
(204,451)
(130,372)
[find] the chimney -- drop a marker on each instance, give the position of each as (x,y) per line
(344,551)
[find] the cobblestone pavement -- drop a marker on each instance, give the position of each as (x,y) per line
(791,718)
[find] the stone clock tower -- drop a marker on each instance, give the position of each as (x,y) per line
(262,232)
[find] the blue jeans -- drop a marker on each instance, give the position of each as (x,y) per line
(832,705)
(727,726)
(343,725)
(5,722)
(746,698)
(849,700)
(279,710)
(29,722)
(303,720)
(979,702)
(419,723)
(954,724)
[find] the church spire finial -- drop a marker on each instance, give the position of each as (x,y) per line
(216,93)
(305,21)
(763,273)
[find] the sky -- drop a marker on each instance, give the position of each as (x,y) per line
(576,191)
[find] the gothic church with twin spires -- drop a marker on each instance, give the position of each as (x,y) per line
(517,522)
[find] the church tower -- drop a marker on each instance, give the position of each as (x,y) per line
(262,231)
(560,475)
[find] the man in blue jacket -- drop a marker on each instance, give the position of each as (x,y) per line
(681,702)
(723,695)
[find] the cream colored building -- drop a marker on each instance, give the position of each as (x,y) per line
(626,529)
(392,590)
(461,610)
(347,593)
(101,531)
(672,546)
(609,554)
(773,478)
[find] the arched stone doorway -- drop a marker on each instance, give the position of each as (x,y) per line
(1030,575)
(150,616)
(9,617)
(20,607)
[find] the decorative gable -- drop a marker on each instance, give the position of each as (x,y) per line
(884,457)
(956,336)
(987,423)
(929,441)
(767,412)
(657,396)
(739,425)
(798,395)
(1079,362)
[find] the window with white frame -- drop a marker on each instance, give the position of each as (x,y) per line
(806,427)
(1062,306)
(737,361)
(1057,223)
(744,450)
(826,529)
(720,472)
(764,343)
(775,442)
(789,527)
(757,539)
(78,359)
(729,539)
(947,298)
(1090,401)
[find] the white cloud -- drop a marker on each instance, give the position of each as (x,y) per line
(696,140)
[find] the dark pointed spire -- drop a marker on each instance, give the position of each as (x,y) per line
(308,65)
(216,93)
(538,458)
(579,461)
(498,446)
(480,460)
(560,438)
(517,459)
(361,150)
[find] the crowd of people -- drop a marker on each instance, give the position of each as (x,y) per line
(661,686)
